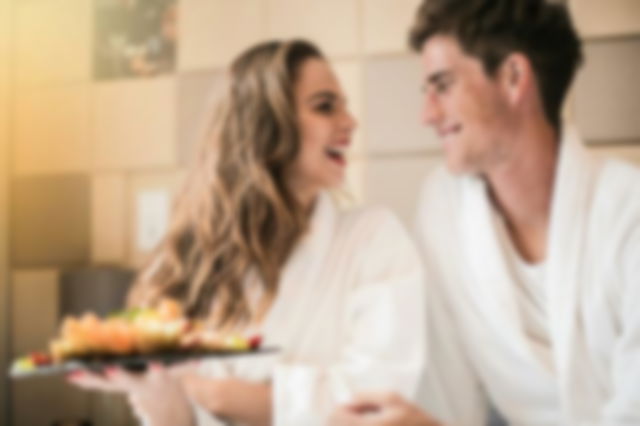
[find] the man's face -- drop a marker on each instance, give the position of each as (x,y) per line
(467,108)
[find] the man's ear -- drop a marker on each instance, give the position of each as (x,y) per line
(516,77)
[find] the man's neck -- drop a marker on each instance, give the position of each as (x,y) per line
(521,189)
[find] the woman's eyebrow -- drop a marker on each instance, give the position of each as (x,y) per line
(323,95)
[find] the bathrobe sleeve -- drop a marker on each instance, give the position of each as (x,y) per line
(383,329)
(451,390)
(623,408)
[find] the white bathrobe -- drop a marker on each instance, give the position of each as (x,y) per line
(479,346)
(348,317)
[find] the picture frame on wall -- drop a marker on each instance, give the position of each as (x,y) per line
(134,38)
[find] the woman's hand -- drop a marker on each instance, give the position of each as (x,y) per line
(239,400)
(156,397)
(381,409)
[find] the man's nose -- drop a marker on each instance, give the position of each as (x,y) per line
(432,112)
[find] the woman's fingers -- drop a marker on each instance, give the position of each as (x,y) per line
(177,371)
(92,381)
(345,416)
(375,399)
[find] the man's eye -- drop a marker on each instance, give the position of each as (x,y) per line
(441,87)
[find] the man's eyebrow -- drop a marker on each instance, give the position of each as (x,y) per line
(437,77)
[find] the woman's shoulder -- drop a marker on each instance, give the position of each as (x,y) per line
(372,226)
(371,216)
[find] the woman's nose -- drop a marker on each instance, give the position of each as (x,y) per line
(349,121)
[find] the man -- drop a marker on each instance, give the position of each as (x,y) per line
(532,245)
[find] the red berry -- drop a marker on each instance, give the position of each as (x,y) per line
(40,358)
(255,341)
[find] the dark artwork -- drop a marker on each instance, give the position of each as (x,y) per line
(134,38)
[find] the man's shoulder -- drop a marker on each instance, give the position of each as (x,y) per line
(616,201)
(366,221)
(618,185)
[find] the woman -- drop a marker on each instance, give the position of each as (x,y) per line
(256,242)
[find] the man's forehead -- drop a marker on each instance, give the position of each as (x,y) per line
(443,54)
(440,51)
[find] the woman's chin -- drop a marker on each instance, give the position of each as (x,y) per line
(335,182)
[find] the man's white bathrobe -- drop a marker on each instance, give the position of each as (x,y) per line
(478,343)
(349,316)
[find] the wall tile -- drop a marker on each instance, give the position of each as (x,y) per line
(108,218)
(332,24)
(386,24)
(627,153)
(34,322)
(34,319)
(604,18)
(198,94)
(395,182)
(169,182)
(135,124)
(393,105)
(53,41)
(606,94)
(51,217)
(52,132)
(213,32)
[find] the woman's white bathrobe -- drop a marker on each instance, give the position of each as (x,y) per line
(348,317)
(592,291)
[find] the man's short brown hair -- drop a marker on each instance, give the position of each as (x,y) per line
(490,30)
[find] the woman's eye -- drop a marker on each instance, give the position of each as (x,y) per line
(325,108)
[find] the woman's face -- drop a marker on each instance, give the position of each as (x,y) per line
(325,127)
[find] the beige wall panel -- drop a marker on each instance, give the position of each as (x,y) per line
(605,18)
(607,94)
(35,309)
(34,322)
(135,124)
(333,24)
(386,24)
(395,182)
(108,218)
(168,182)
(393,106)
(199,93)
(213,32)
(5,108)
(627,153)
(53,41)
(50,220)
(52,130)
(349,74)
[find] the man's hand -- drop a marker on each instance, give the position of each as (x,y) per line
(381,409)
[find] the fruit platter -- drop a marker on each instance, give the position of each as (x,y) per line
(131,339)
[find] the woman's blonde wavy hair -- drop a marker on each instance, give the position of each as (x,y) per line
(236,213)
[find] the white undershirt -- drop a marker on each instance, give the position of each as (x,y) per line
(531,294)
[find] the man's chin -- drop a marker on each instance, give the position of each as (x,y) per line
(458,167)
